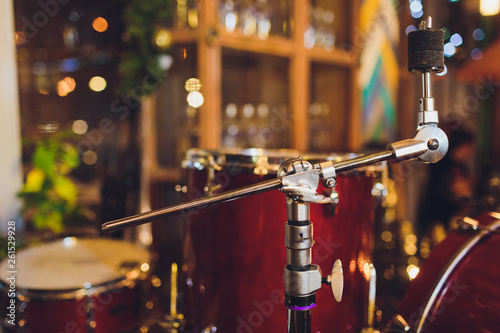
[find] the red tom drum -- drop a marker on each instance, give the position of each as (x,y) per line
(457,288)
(235,252)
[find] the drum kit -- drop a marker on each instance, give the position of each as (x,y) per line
(236,275)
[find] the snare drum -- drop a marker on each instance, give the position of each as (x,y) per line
(235,252)
(457,288)
(76,285)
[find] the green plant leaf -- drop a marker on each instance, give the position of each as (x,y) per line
(52,220)
(34,181)
(68,159)
(49,196)
(65,189)
(44,157)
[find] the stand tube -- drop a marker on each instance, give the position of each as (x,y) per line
(300,293)
(299,321)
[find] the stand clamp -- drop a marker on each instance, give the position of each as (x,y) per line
(429,145)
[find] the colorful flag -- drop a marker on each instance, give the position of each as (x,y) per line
(379,71)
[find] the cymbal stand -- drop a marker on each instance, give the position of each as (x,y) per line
(299,179)
(299,182)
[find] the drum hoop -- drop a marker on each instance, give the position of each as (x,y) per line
(260,161)
(78,292)
(26,295)
(450,267)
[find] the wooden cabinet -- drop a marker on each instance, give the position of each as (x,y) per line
(276,89)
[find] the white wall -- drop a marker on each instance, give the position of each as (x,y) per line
(10,145)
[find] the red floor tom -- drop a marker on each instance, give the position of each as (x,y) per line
(77,285)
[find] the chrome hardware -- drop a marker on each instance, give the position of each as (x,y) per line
(399,324)
(429,145)
(408,149)
(432,135)
(210,329)
(174,322)
(336,280)
(305,194)
(495,215)
(328,174)
(372,293)
(301,283)
(293,166)
(212,187)
(334,201)
(470,224)
(298,241)
(300,181)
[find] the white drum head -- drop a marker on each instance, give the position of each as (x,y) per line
(72,263)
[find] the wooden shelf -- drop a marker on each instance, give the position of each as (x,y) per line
(334,57)
(184,36)
(210,38)
(274,45)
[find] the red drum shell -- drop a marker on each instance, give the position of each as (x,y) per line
(235,254)
(77,285)
(467,296)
